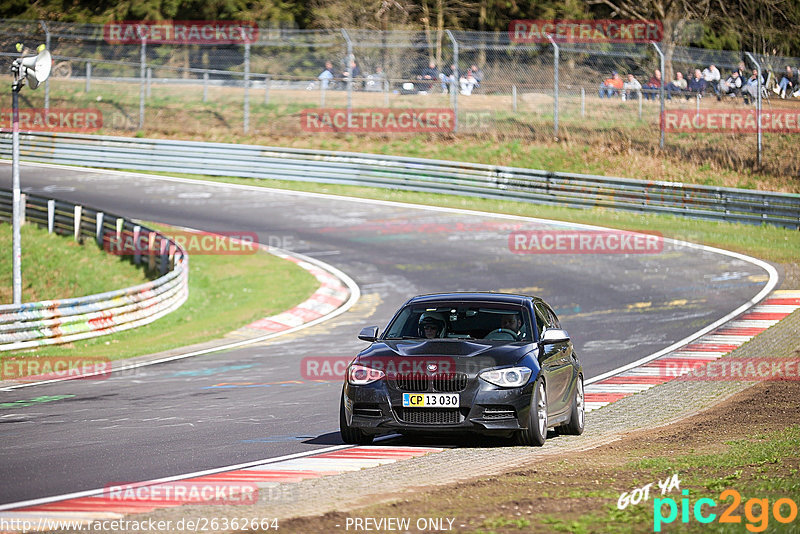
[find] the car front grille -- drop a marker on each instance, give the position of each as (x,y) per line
(448,383)
(499,412)
(430,416)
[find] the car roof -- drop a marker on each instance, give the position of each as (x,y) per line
(504,298)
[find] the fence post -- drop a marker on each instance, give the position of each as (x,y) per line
(267,82)
(349,75)
(660,94)
(697,105)
(640,105)
(758,105)
(47,82)
(322,93)
(149,81)
(455,81)
(555,87)
(205,86)
(386,93)
(142,73)
(583,102)
(88,77)
(22,202)
(246,126)
(76,222)
(51,216)
(98,229)
(514,96)
(137,257)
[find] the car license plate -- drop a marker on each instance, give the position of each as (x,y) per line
(430,400)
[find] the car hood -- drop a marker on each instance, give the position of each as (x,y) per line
(457,356)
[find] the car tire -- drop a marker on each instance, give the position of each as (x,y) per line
(577,417)
(536,433)
(349,434)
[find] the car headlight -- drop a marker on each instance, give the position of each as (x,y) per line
(358,375)
(511,377)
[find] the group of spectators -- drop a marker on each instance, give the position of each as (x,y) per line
(425,79)
(738,83)
(467,82)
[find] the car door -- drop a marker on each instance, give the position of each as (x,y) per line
(555,361)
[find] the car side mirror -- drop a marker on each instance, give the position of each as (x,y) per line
(554,335)
(370,333)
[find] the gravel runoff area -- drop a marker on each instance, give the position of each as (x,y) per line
(658,406)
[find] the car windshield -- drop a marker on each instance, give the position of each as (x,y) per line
(489,321)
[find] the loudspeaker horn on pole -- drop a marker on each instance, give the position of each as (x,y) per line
(36,69)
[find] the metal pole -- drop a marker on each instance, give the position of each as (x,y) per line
(758,104)
(142,73)
(149,81)
(555,87)
(640,105)
(322,93)
(455,80)
(583,102)
(267,82)
(349,75)
(88,86)
(16,252)
(697,98)
(661,94)
(514,96)
(47,81)
(205,86)
(246,121)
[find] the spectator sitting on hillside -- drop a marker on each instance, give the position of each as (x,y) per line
(467,83)
(750,89)
(428,74)
(611,86)
(711,75)
(375,82)
(355,69)
(326,75)
(697,84)
(677,85)
(732,86)
(631,88)
(477,74)
(788,82)
(448,80)
(653,85)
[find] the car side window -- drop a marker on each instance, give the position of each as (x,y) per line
(553,317)
(541,323)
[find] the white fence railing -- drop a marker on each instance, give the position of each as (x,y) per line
(60,321)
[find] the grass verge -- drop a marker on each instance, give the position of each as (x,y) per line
(56,267)
(225,293)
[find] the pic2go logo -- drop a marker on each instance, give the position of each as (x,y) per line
(756,511)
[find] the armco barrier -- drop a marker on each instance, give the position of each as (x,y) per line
(60,321)
(415,174)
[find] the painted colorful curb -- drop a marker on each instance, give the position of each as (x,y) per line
(707,348)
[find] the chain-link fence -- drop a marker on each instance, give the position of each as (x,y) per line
(490,85)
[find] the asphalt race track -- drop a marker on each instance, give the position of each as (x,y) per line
(179,417)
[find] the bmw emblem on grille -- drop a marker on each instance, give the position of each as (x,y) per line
(432,367)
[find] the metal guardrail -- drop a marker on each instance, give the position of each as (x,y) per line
(414,174)
(49,322)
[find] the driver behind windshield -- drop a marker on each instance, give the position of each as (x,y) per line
(431,325)
(513,322)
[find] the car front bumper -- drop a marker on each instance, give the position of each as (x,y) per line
(377,408)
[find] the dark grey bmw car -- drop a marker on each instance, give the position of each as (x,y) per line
(491,363)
